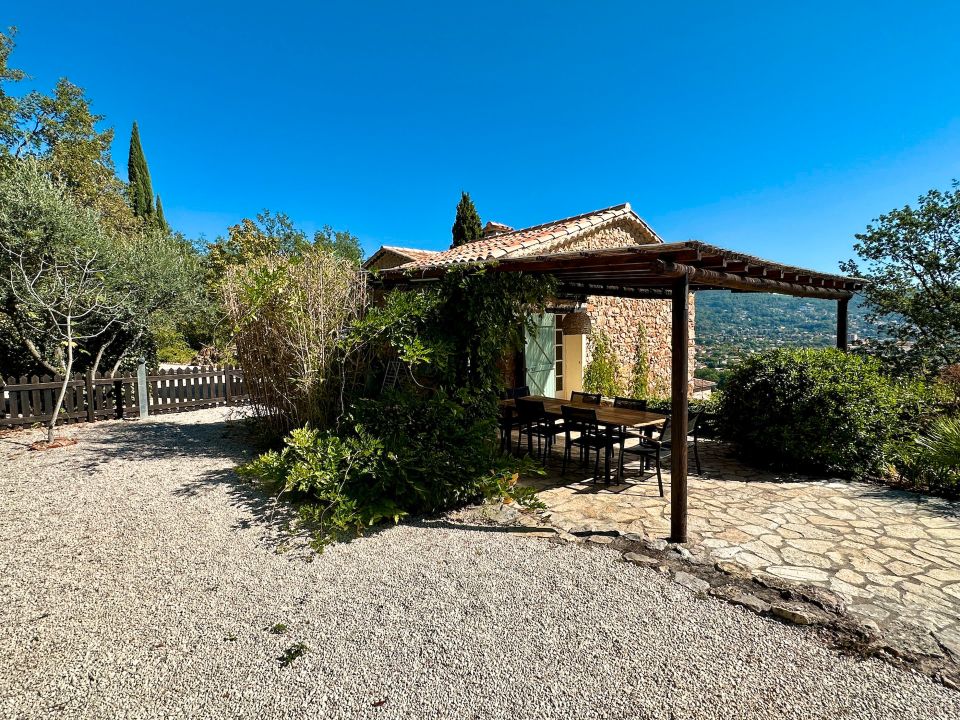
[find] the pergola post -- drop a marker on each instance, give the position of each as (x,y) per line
(679,387)
(842,307)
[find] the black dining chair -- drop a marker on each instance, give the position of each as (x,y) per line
(693,425)
(519,392)
(649,449)
(590,437)
(582,397)
(661,448)
(626,403)
(630,403)
(507,422)
(693,432)
(534,422)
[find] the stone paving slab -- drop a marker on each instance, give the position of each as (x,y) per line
(894,556)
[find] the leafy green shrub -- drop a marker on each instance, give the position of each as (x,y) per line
(821,410)
(171,345)
(601,375)
(404,455)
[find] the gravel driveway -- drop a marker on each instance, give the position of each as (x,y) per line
(139,579)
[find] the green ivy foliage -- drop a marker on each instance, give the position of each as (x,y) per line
(820,410)
(601,375)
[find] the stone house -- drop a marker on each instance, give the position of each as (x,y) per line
(553,360)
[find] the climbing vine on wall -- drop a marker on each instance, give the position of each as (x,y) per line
(601,375)
(640,375)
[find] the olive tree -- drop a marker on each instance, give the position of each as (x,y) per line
(57,278)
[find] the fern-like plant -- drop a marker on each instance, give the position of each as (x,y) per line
(601,373)
(941,445)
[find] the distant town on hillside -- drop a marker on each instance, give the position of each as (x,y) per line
(731,325)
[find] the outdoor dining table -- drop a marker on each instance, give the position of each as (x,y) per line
(610,417)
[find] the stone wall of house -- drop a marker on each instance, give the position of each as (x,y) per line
(388,259)
(619,318)
(620,234)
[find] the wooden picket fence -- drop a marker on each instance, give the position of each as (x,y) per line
(92,397)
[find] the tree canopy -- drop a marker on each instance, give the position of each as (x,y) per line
(911,258)
(138,178)
(273,233)
(467,226)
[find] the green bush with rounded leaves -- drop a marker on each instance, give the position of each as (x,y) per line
(816,410)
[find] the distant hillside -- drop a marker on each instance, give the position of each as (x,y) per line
(732,324)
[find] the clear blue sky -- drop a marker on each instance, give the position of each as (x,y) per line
(775,129)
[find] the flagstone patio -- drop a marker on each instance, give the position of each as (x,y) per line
(893,555)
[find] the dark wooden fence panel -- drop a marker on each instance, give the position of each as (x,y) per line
(92,397)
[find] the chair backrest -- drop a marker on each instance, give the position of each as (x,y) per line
(629,403)
(583,420)
(522,391)
(665,431)
(582,397)
(530,410)
(693,420)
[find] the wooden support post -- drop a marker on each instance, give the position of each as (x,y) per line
(91,393)
(679,370)
(228,384)
(842,307)
(118,398)
(142,391)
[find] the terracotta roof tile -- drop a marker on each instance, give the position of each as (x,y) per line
(539,238)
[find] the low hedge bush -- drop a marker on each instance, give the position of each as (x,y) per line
(820,410)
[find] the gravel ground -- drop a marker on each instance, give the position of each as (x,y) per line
(139,579)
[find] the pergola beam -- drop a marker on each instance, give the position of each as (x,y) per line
(576,289)
(703,276)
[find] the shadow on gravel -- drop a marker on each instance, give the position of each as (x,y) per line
(158,440)
(187,440)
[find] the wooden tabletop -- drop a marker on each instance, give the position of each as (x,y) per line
(606,414)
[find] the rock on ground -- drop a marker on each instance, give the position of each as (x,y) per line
(139,579)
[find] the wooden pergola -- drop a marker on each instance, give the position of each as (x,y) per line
(665,271)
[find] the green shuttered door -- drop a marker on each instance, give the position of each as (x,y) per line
(540,356)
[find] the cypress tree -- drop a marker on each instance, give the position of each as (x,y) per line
(160,219)
(466,226)
(138,178)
